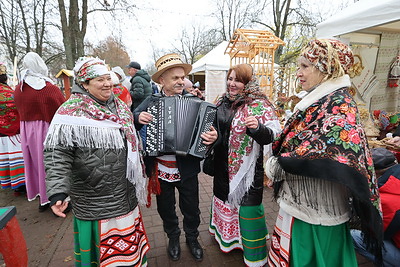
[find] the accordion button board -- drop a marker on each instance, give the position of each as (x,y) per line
(177,125)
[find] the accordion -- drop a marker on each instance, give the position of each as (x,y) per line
(177,125)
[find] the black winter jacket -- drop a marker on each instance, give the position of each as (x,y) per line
(140,88)
(263,135)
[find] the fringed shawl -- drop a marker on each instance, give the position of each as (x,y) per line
(82,122)
(325,140)
(243,150)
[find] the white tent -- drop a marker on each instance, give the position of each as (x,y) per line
(216,59)
(214,66)
(373,15)
(372,28)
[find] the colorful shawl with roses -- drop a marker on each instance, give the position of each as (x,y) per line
(324,139)
(82,122)
(9,117)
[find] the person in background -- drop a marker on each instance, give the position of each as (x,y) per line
(155,88)
(119,90)
(190,89)
(140,84)
(170,172)
(93,156)
(11,159)
(188,86)
(122,77)
(140,90)
(387,170)
(321,168)
(37,100)
(247,123)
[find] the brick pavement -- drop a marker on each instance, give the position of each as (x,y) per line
(50,240)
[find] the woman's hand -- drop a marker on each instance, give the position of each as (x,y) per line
(59,208)
(394,141)
(251,122)
(197,92)
(145,117)
(210,136)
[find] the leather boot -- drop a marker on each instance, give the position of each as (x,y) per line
(195,249)
(174,249)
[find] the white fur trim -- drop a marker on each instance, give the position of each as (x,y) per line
(322,90)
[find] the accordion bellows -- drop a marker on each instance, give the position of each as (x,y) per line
(178,122)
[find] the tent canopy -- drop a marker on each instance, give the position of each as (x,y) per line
(216,59)
(367,15)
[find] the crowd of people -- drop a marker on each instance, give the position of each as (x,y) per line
(87,155)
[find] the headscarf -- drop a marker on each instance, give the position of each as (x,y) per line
(34,71)
(118,70)
(329,56)
(87,68)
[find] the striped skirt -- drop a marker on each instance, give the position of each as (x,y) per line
(297,243)
(120,241)
(12,173)
(243,229)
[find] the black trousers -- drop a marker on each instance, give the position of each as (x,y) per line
(188,204)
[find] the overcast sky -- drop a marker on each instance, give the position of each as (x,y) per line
(159,22)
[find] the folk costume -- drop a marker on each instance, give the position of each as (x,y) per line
(120,90)
(168,173)
(323,173)
(11,160)
(93,156)
(37,99)
(237,214)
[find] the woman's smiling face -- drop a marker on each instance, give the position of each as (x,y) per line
(100,87)
(234,86)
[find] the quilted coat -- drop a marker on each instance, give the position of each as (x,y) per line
(94,179)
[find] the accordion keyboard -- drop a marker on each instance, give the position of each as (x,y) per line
(154,134)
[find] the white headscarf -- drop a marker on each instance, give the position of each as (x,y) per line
(120,72)
(34,71)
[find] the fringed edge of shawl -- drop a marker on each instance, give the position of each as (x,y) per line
(83,136)
(135,176)
(365,213)
(235,197)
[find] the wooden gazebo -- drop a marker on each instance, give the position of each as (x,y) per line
(65,76)
(257,48)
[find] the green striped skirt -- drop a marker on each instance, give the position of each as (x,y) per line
(243,229)
(297,243)
(120,241)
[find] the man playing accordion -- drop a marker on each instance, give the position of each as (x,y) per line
(167,172)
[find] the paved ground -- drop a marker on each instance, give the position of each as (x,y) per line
(50,241)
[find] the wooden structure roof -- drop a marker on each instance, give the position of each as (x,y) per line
(257,48)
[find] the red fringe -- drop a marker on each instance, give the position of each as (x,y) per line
(153,186)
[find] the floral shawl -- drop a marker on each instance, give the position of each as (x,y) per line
(324,139)
(9,117)
(81,121)
(243,150)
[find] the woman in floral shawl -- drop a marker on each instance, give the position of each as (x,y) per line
(247,123)
(11,159)
(322,168)
(92,156)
